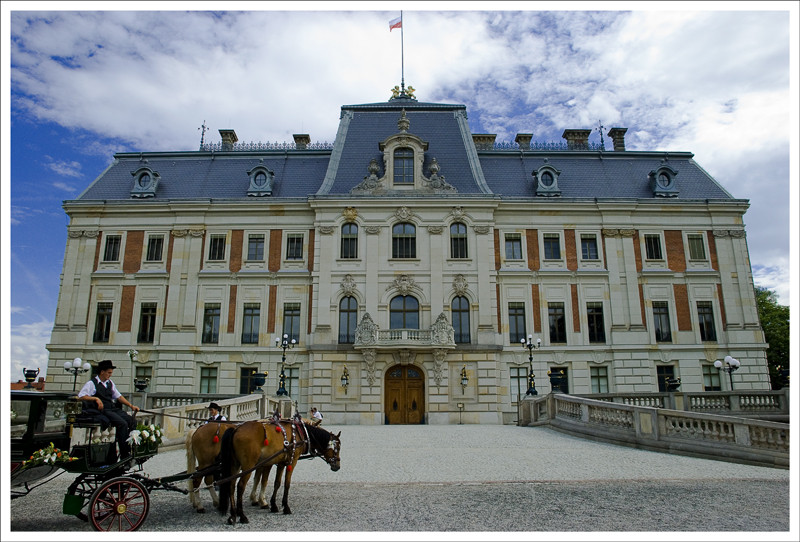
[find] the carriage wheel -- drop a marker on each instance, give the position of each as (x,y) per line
(120,504)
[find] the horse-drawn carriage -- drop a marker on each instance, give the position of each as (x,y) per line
(49,438)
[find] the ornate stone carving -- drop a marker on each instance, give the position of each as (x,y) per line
(442,332)
(403,284)
(350,213)
(372,230)
(404,213)
(460,285)
(627,233)
(736,234)
(481,230)
(721,233)
(348,285)
(91,234)
(403,123)
(458,213)
(366,331)
(74,234)
(439,355)
(197,233)
(371,183)
(436,182)
(404,356)
(326,230)
(435,229)
(180,233)
(369,360)
(618,232)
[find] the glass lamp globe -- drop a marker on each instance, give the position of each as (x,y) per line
(718,364)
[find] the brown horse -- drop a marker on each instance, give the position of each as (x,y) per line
(202,452)
(259,445)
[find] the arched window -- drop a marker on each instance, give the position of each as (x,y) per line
(403,166)
(458,240)
(349,241)
(348,314)
(404,312)
(404,240)
(459,310)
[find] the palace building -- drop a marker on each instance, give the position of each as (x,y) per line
(409,261)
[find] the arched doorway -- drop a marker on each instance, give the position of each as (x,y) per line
(405,395)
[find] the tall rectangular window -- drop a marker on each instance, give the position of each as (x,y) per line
(599,378)
(589,247)
(516,322)
(255,247)
(711,378)
(697,250)
(292,382)
(349,249)
(664,373)
(155,248)
(404,240)
(403,166)
(552,246)
(513,246)
(216,248)
(458,240)
(661,322)
(519,383)
(208,380)
(291,321)
(348,313)
(705,316)
(147,323)
(294,246)
(558,322)
(251,319)
(246,380)
(111,253)
(459,316)
(594,317)
(102,322)
(652,246)
(211,314)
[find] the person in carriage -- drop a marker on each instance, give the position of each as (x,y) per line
(101,400)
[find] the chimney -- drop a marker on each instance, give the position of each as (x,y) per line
(228,139)
(524,140)
(577,139)
(301,141)
(618,136)
(483,142)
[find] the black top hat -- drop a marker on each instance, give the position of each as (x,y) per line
(105,365)
(215,406)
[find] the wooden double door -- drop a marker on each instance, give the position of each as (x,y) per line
(405,395)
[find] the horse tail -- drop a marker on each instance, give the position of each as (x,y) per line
(226,458)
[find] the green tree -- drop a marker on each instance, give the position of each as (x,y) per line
(775,323)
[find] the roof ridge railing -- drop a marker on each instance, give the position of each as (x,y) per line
(259,146)
(546,146)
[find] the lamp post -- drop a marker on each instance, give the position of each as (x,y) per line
(345,379)
(76,367)
(284,343)
(530,345)
(731,365)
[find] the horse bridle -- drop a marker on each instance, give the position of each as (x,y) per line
(333,444)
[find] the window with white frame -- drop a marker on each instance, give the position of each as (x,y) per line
(403,166)
(458,240)
(211,314)
(404,240)
(349,248)
(558,322)
(697,248)
(147,323)
(112,250)
(513,246)
(652,246)
(348,315)
(294,246)
(552,246)
(251,321)
(255,247)
(216,247)
(155,248)
(404,312)
(589,247)
(661,323)
(711,378)
(594,319)
(519,383)
(516,322)
(102,322)
(208,380)
(291,321)
(705,318)
(599,379)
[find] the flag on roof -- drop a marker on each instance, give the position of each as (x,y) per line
(395,23)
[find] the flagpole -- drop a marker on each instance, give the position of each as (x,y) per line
(402,59)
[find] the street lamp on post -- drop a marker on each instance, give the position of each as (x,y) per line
(531,346)
(76,367)
(285,343)
(731,365)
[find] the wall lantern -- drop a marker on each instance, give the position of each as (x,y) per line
(345,379)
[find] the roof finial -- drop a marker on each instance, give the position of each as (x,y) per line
(403,123)
(600,129)
(204,129)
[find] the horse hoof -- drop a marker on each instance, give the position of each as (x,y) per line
(286,512)
(231,521)
(201,510)
(273,509)
(244,520)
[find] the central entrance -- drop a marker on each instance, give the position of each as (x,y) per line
(405,395)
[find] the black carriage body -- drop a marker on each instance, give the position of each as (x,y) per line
(37,419)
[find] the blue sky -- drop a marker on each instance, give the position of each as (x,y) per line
(81,85)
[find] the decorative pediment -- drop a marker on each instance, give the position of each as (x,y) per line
(546,179)
(404,284)
(261,180)
(662,181)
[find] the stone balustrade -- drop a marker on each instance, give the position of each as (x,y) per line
(708,435)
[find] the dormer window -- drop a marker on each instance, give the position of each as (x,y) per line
(662,182)
(404,166)
(261,181)
(546,179)
(145,182)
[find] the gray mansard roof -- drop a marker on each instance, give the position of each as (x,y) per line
(504,172)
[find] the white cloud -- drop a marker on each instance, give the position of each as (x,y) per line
(27,348)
